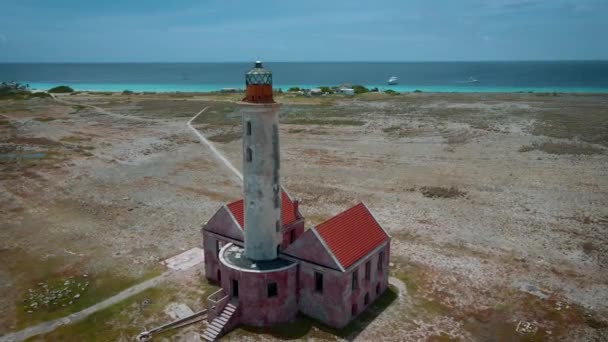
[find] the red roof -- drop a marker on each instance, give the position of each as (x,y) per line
(288,214)
(352,234)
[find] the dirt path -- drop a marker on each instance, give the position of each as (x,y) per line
(49,326)
(217,153)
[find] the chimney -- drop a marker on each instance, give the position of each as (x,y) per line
(296,207)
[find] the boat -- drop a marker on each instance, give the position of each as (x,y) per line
(393,80)
(470,80)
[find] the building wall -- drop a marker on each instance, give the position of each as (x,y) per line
(221,227)
(327,307)
(255,308)
(377,278)
(334,306)
(297,227)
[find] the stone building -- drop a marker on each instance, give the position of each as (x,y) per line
(257,250)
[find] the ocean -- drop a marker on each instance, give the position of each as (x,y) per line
(559,76)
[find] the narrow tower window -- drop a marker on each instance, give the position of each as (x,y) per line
(248,127)
(249,154)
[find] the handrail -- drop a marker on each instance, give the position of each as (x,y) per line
(195,317)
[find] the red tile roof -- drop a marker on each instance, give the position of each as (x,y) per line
(352,234)
(288,214)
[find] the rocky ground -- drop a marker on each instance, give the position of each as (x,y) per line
(497,203)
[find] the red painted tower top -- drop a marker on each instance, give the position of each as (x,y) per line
(259,85)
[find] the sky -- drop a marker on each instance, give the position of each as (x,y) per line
(304,30)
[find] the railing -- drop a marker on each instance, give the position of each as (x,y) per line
(216,303)
(178,323)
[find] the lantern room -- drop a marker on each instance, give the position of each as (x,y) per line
(258,82)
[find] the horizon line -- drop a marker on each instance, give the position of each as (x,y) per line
(311,61)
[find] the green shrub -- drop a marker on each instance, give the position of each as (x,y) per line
(40,95)
(294,89)
(128,92)
(391,92)
(326,89)
(417,91)
(61,89)
(359,89)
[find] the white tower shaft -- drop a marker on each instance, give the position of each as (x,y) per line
(261,163)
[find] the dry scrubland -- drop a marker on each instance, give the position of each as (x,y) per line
(497,204)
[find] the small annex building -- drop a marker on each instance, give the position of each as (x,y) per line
(341,265)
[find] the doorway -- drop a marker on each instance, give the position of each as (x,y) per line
(235,288)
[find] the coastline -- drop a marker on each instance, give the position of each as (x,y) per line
(211,88)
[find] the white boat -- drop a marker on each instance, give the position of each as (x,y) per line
(470,80)
(393,80)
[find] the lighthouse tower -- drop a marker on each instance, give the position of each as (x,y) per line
(262,202)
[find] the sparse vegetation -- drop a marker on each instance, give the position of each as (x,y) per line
(98,287)
(391,92)
(18,91)
(526,148)
(296,130)
(326,89)
(560,148)
(329,122)
(359,89)
(78,109)
(128,92)
(391,129)
(294,89)
(441,192)
(587,125)
(44,119)
(417,91)
(62,89)
(226,137)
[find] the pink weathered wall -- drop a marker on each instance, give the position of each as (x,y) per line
(367,286)
(221,227)
(328,307)
(255,308)
(334,305)
(309,247)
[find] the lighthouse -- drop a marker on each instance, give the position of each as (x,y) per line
(261,164)
(256,249)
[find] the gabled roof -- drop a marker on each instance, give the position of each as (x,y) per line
(311,248)
(352,234)
(288,214)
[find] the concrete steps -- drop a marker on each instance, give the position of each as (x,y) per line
(215,329)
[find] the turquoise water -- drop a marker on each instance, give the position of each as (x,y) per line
(559,76)
(167,88)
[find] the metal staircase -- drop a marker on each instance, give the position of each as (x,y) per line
(216,327)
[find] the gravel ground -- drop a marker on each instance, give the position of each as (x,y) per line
(122,194)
